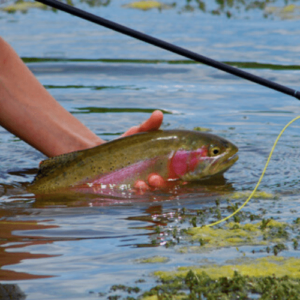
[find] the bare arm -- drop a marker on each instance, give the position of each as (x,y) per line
(31,113)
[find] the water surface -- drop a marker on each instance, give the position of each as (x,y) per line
(74,248)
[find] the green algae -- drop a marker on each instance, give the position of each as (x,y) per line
(268,278)
(290,11)
(153,259)
(194,285)
(124,288)
(202,129)
(23,6)
(147,5)
(200,237)
(257,195)
(235,234)
(260,267)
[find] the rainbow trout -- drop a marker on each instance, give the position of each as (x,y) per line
(172,154)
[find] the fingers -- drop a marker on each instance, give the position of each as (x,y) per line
(153,123)
(141,186)
(154,181)
(130,131)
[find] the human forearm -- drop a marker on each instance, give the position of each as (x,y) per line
(31,113)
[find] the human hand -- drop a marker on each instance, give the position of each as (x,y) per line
(153,123)
(155,181)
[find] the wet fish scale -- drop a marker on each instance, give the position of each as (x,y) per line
(173,154)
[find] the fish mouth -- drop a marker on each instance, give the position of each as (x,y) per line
(229,162)
(215,168)
(223,163)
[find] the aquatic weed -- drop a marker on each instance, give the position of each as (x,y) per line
(201,286)
(125,288)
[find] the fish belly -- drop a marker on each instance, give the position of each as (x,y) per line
(125,178)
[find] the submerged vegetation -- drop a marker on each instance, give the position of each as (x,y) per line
(153,260)
(202,286)
(231,8)
(267,272)
(254,268)
(149,4)
(22,6)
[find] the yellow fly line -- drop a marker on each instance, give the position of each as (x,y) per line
(261,177)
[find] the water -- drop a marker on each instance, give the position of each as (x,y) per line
(75,248)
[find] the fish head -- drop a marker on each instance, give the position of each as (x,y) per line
(208,156)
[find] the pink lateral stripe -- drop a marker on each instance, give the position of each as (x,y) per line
(184,161)
(125,175)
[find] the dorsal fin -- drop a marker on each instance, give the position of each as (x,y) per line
(52,164)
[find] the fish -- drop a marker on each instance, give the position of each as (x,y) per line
(175,155)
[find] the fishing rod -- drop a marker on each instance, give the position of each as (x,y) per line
(170,47)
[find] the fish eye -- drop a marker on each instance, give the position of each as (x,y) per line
(214,151)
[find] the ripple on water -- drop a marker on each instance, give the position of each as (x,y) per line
(77,245)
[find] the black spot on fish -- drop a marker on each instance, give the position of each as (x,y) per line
(81,163)
(225,143)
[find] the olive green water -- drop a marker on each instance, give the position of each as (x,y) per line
(78,247)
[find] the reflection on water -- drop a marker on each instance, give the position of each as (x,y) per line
(29,222)
(88,110)
(65,246)
(11,249)
(230,9)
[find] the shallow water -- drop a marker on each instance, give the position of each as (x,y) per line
(74,248)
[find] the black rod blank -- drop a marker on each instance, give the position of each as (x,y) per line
(170,47)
